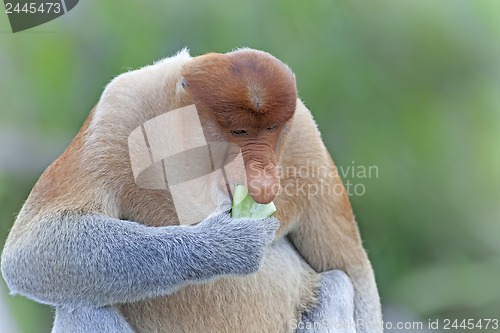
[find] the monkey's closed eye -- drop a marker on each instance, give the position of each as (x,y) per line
(239,132)
(272,128)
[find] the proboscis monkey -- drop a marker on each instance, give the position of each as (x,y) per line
(111,256)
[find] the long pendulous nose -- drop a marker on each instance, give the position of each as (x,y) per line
(262,177)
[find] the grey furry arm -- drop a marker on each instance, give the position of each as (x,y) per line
(334,312)
(93,260)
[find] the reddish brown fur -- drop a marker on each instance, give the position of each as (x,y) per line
(244,89)
(58,179)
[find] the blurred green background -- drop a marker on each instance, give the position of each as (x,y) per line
(410,87)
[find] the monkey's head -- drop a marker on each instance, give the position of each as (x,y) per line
(245,97)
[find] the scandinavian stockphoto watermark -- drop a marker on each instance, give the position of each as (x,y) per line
(319,179)
(28,14)
(463,325)
(170,152)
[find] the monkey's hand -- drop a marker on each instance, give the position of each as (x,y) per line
(235,245)
(334,311)
(90,260)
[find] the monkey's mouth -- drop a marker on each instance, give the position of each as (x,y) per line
(259,177)
(243,205)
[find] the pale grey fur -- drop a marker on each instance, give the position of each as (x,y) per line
(90,320)
(89,260)
(93,262)
(334,312)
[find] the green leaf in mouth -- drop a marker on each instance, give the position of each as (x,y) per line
(245,206)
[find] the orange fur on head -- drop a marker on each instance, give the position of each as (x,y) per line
(244,88)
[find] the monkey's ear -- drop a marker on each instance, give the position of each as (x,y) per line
(181,85)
